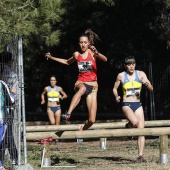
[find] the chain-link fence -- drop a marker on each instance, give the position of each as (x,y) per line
(12,105)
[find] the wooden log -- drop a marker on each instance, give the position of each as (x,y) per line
(47,150)
(110,125)
(103,133)
(163,149)
(38,123)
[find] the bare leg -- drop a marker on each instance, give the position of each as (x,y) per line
(91,101)
(76,98)
(57,117)
(51,117)
(136,120)
(141,139)
(130,115)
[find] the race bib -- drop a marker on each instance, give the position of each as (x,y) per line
(133,92)
(53,99)
(85,66)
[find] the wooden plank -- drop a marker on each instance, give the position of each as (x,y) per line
(110,125)
(104,133)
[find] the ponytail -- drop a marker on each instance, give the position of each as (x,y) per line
(93,37)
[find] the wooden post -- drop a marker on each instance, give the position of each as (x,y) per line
(46,161)
(47,150)
(163,149)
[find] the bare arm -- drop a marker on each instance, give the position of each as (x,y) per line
(42,95)
(64,95)
(97,54)
(116,85)
(145,80)
(101,56)
(61,60)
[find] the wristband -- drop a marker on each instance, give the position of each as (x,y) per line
(116,96)
(97,53)
(146,84)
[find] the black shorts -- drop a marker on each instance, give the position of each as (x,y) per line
(90,89)
(53,109)
(133,105)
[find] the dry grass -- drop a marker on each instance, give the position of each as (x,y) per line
(121,154)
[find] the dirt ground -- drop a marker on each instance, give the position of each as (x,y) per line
(120,154)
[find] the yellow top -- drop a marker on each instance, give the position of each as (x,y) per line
(131,88)
(53,96)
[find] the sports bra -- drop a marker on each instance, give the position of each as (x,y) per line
(53,95)
(131,88)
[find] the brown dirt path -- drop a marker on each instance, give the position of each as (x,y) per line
(120,154)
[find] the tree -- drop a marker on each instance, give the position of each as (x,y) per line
(32,19)
(131,27)
(35,21)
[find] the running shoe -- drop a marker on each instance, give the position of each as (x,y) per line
(49,139)
(66,117)
(46,140)
(140,159)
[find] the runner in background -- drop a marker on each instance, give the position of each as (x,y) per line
(54,95)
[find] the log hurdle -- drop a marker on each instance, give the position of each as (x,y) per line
(159,128)
(162,132)
(102,133)
(110,125)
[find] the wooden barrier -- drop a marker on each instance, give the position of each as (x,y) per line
(110,125)
(104,130)
(102,133)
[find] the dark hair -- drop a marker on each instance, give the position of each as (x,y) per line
(127,60)
(92,36)
(5,57)
(130,59)
(53,76)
